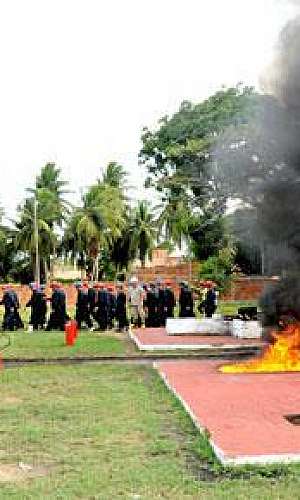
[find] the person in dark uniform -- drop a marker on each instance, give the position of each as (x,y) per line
(111,310)
(101,314)
(151,306)
(82,306)
(38,306)
(10,301)
(58,315)
(210,302)
(161,306)
(92,296)
(17,318)
(121,312)
(170,301)
(186,302)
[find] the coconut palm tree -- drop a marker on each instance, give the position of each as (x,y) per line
(174,220)
(143,231)
(115,175)
(24,234)
(99,222)
(48,181)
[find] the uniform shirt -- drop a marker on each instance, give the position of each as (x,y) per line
(135,296)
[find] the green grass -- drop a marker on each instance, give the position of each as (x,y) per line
(52,345)
(231,308)
(109,432)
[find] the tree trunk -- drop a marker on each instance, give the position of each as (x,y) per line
(46,271)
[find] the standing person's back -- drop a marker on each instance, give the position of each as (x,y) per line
(121,313)
(161,305)
(92,295)
(101,314)
(38,306)
(9,303)
(58,316)
(111,307)
(82,307)
(210,305)
(186,302)
(151,304)
(170,301)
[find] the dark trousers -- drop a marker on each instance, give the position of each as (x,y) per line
(57,321)
(83,316)
(210,310)
(101,317)
(122,319)
(152,318)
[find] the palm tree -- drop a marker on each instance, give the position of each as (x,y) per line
(175,218)
(99,222)
(49,182)
(24,234)
(115,175)
(143,231)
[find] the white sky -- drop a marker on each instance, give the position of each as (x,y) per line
(80,78)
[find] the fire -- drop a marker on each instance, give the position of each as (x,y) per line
(282,356)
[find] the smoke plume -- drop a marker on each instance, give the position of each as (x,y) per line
(261,163)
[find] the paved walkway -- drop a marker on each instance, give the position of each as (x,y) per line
(151,339)
(244,414)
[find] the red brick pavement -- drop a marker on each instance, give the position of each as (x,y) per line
(158,338)
(244,414)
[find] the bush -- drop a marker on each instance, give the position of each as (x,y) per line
(219,268)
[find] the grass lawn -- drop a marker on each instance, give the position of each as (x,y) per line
(231,308)
(106,432)
(52,345)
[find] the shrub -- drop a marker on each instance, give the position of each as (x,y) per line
(219,268)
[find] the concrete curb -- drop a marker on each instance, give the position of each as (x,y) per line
(249,348)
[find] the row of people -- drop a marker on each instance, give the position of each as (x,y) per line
(147,304)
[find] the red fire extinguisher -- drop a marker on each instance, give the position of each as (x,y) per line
(71,332)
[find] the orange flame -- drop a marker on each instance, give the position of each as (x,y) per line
(282,356)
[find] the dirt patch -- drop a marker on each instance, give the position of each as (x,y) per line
(11,473)
(11,400)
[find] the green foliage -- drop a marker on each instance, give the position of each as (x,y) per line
(219,268)
(93,228)
(143,231)
(115,175)
(181,166)
(208,235)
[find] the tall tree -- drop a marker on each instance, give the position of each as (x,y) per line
(24,236)
(179,156)
(115,175)
(143,231)
(99,222)
(49,181)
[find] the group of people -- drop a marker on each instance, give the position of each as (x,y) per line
(106,307)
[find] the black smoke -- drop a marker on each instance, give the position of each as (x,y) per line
(260,165)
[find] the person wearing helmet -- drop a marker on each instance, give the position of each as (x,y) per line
(10,301)
(210,303)
(151,306)
(38,305)
(82,306)
(170,301)
(186,302)
(101,311)
(58,315)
